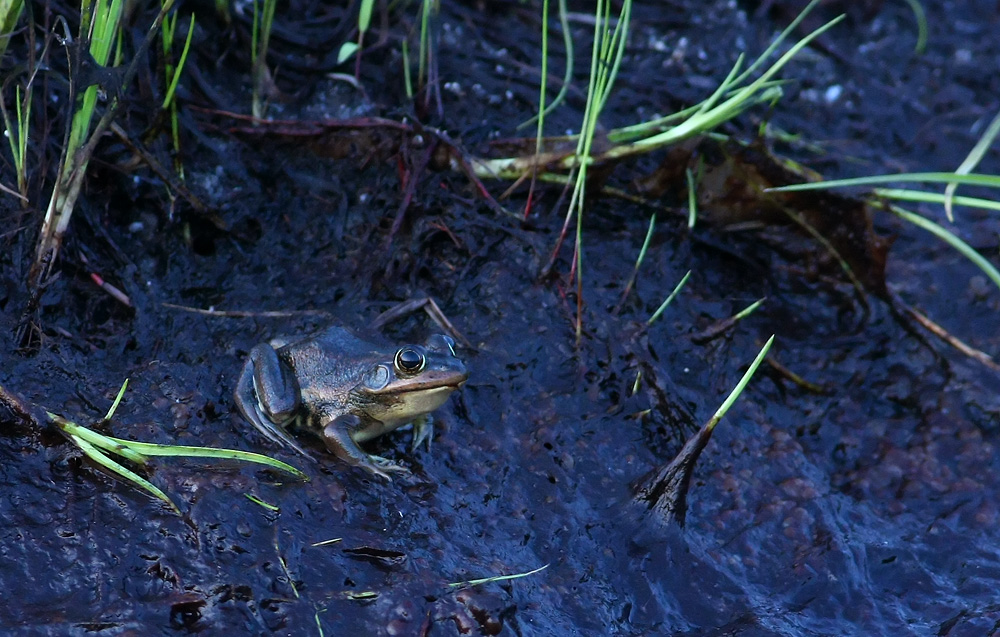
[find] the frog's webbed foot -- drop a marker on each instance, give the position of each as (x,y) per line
(383,467)
(337,436)
(423,429)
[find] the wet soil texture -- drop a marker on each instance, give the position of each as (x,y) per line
(861,500)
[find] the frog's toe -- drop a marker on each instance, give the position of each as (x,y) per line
(383,467)
(423,429)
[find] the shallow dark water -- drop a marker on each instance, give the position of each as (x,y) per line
(869,508)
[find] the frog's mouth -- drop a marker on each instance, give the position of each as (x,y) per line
(429,382)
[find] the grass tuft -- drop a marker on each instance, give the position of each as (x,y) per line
(96,446)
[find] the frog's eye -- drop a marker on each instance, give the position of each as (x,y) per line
(409,361)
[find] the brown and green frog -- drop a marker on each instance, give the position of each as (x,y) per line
(347,390)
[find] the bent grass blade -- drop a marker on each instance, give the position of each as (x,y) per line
(973,179)
(95,454)
(975,156)
(95,446)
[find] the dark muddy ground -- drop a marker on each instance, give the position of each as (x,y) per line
(867,508)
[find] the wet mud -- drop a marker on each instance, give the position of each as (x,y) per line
(862,500)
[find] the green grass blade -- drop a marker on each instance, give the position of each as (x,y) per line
(723,88)
(498,578)
(933,197)
(734,105)
(617,44)
(118,400)
(365,15)
(10,13)
(777,42)
(182,451)
(670,297)
(921,17)
(692,198)
(942,233)
(327,542)
(407,80)
(347,49)
(659,125)
(95,454)
(972,179)
(567,74)
(262,503)
(180,67)
(975,156)
(96,439)
(740,386)
(748,310)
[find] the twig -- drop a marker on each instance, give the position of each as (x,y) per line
(246,313)
(947,337)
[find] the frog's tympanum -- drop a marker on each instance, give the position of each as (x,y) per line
(347,390)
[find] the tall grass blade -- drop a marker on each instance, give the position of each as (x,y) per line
(175,76)
(567,74)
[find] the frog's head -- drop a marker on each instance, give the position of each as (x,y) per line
(414,382)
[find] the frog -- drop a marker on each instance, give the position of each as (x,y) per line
(348,391)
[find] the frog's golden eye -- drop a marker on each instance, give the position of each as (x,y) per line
(409,361)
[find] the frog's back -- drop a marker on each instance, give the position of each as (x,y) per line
(329,364)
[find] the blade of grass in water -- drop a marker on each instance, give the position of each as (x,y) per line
(261,503)
(990,181)
(96,439)
(94,446)
(498,578)
(972,179)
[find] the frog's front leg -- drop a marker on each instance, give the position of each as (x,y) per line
(337,435)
